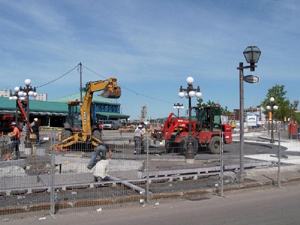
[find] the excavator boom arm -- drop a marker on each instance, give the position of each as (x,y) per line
(110,90)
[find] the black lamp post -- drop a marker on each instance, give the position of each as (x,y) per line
(190,92)
(27,92)
(252,54)
(15,97)
(272,107)
(178,106)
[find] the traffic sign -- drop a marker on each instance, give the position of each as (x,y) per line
(251,79)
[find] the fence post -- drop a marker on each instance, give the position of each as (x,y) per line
(279,163)
(52,189)
(2,149)
(147,168)
(222,165)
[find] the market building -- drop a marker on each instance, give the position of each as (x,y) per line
(53,113)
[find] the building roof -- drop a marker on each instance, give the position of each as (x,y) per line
(34,105)
(53,108)
(73,97)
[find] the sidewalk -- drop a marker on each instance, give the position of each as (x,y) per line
(290,157)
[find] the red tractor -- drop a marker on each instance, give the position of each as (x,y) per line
(206,129)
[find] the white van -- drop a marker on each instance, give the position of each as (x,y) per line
(111,125)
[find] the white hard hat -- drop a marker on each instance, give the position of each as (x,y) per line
(140,126)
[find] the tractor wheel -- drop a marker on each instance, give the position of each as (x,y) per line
(183,146)
(97,134)
(65,134)
(214,145)
(169,145)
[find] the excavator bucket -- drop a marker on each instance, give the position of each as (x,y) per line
(111,92)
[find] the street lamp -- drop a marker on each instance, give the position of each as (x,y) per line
(178,106)
(189,93)
(252,54)
(26,92)
(272,107)
(16,97)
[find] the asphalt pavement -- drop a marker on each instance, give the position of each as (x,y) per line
(264,206)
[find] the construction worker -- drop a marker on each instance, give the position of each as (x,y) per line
(101,168)
(100,150)
(138,136)
(15,140)
(35,128)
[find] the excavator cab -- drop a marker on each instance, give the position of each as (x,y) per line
(74,116)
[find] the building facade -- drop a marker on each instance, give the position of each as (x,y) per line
(41,97)
(5,93)
(54,113)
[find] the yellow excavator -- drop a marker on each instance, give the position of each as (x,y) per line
(79,128)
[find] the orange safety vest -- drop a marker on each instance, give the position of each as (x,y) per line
(17,132)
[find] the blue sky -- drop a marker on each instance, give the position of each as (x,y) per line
(151,47)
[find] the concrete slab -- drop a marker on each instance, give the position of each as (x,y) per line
(19,162)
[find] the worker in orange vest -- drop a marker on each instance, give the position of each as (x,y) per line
(15,140)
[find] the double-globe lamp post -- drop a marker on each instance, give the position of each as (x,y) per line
(252,54)
(23,93)
(272,107)
(189,93)
(178,106)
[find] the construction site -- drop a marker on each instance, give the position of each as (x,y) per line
(188,158)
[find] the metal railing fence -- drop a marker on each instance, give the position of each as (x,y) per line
(51,180)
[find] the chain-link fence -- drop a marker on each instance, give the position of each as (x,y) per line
(52,179)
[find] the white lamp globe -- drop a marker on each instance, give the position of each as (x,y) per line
(24,94)
(181,94)
(10,98)
(34,94)
(15,97)
(198,94)
(187,95)
(30,93)
(20,93)
(272,99)
(268,107)
(192,94)
(275,107)
(190,80)
(27,82)
(22,98)
(17,89)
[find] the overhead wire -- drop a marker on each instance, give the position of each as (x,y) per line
(135,92)
(58,77)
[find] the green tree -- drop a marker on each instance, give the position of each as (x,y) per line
(278,93)
(200,103)
(224,111)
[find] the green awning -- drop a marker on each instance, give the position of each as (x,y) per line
(111,115)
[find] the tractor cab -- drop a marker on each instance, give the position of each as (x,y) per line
(207,118)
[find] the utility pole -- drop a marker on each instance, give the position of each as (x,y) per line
(80,72)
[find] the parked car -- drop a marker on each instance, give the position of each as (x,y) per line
(110,125)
